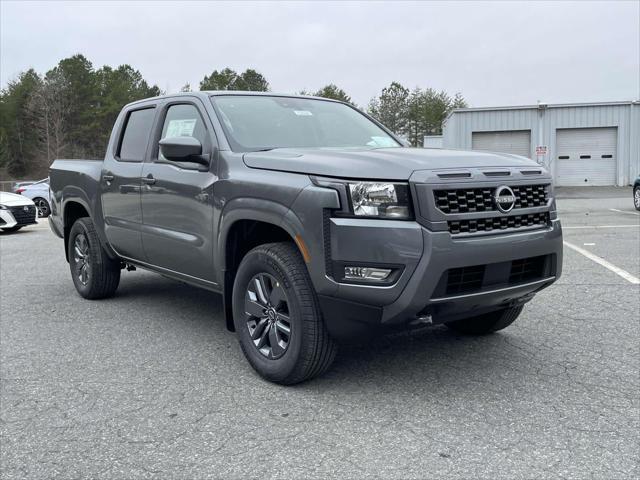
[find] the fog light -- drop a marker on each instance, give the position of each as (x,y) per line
(372,274)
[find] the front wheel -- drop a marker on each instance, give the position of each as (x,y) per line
(277,318)
(636,197)
(486,323)
(94,274)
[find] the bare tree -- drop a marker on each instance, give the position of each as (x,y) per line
(49,108)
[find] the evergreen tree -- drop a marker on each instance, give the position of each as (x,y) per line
(334,92)
(392,108)
(414,114)
(67,113)
(254,81)
(17,125)
(228,79)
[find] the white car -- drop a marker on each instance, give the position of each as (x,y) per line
(39,193)
(16,212)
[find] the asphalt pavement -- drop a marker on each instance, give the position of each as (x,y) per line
(149,384)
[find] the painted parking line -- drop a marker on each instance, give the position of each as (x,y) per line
(625,211)
(601,261)
(576,227)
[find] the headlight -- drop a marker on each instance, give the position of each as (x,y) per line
(380,199)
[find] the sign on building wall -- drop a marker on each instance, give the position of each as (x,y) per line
(541,150)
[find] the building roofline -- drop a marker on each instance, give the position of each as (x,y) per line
(546,105)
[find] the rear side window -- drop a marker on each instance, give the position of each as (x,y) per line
(135,137)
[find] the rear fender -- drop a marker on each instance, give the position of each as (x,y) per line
(72,194)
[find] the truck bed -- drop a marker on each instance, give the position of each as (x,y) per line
(77,179)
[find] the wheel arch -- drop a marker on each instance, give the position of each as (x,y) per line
(72,211)
(244,229)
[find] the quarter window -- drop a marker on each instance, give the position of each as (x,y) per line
(136,135)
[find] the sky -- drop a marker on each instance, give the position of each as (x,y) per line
(494,53)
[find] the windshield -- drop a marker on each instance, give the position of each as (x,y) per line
(253,123)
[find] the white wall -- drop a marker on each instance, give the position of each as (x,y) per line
(543,124)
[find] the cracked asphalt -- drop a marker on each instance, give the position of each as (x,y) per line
(150,385)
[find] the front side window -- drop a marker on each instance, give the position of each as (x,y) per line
(253,123)
(183,120)
(136,135)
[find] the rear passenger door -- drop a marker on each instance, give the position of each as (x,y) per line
(177,197)
(120,182)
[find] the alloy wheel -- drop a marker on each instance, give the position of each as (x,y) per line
(267,314)
(43,207)
(636,198)
(81,258)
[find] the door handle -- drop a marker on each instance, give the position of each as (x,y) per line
(149,180)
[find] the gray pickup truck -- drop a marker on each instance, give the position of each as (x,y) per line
(313,221)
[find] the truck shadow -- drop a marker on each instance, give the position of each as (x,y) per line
(431,358)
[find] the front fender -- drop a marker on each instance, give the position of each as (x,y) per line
(252,209)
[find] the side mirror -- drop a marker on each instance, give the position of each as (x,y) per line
(182,149)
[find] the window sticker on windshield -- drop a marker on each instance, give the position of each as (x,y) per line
(382,142)
(303,113)
(181,128)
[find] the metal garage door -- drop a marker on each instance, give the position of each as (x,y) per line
(586,156)
(513,141)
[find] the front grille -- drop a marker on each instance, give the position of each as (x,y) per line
(468,200)
(527,269)
(22,216)
(477,278)
(465,279)
(498,223)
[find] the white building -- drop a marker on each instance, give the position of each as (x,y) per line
(581,144)
(432,141)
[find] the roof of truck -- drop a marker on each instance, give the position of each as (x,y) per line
(212,93)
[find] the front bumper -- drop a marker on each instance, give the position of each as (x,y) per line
(420,296)
(18,216)
(426,252)
(427,257)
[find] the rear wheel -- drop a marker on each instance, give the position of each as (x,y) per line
(636,197)
(94,274)
(43,207)
(486,323)
(277,318)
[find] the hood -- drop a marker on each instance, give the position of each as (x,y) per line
(13,200)
(376,163)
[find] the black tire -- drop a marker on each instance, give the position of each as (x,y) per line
(102,273)
(308,350)
(12,229)
(44,210)
(487,323)
(636,197)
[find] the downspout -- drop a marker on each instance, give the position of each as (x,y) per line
(542,159)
